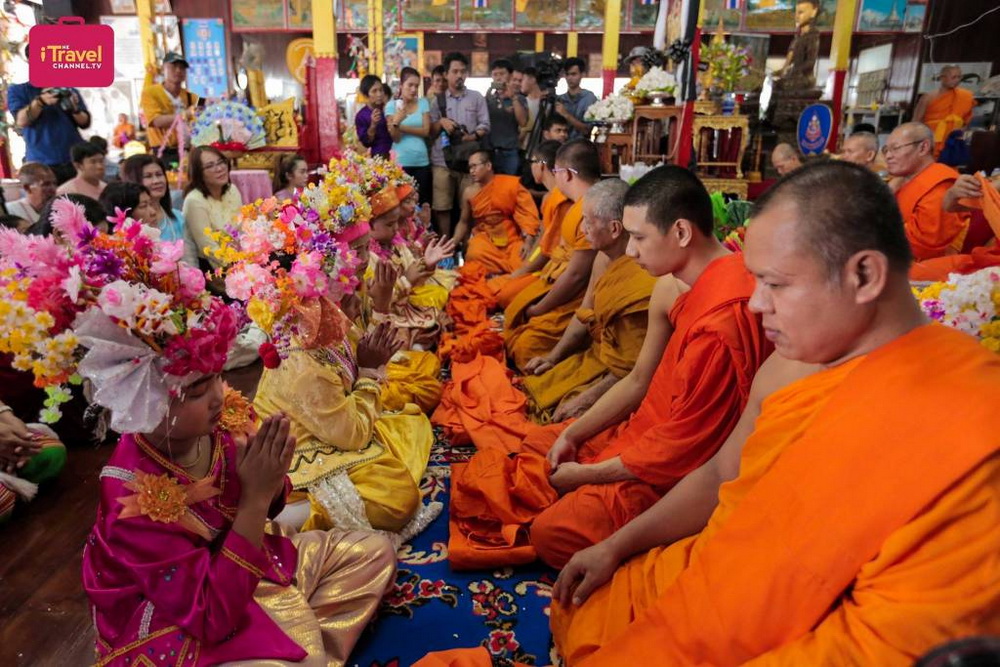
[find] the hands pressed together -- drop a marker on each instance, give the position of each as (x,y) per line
(378,346)
(264,462)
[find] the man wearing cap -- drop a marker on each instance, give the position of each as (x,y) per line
(162,102)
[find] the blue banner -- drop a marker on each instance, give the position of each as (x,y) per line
(205,51)
(814,129)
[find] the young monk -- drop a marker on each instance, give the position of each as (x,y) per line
(800,562)
(537,317)
(602,342)
(501,214)
(921,184)
(670,414)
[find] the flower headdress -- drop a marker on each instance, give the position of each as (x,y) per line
(968,303)
(119,309)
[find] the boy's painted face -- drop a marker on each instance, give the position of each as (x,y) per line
(194,412)
(360,246)
(384,226)
(408,205)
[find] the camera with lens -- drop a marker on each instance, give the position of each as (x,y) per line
(549,73)
(64,96)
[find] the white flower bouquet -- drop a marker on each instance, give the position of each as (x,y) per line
(657,80)
(613,107)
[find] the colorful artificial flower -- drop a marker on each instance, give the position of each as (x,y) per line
(163,499)
(238,416)
(969,303)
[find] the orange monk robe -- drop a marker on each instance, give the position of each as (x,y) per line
(537,336)
(503,212)
(617,325)
(947,112)
(695,398)
(980,258)
(554,207)
(857,532)
(932,231)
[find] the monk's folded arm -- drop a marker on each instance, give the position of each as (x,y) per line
(706,405)
(570,284)
(607,472)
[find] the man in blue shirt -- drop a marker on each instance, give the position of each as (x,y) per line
(50,120)
(573,104)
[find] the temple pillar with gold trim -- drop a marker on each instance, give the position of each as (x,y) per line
(609,44)
(323,96)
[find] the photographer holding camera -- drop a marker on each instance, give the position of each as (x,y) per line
(508,113)
(50,120)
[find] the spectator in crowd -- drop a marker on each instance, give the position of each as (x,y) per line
(123,133)
(92,211)
(163,102)
(507,113)
(148,170)
(290,176)
(555,128)
(130,198)
(439,84)
(110,166)
(88,160)
(39,185)
(370,122)
(463,118)
(210,202)
(573,104)
(410,126)
(50,120)
(15,222)
(532,97)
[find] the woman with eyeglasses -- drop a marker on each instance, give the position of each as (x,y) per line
(148,171)
(210,200)
(409,120)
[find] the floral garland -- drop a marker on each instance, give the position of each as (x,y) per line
(120,308)
(968,303)
(657,80)
(727,64)
(612,107)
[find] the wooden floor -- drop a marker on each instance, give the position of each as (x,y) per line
(44,616)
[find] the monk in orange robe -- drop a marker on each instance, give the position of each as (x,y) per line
(921,184)
(602,342)
(947,109)
(501,212)
(580,484)
(537,317)
(553,208)
(847,528)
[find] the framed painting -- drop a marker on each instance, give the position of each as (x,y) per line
(485,14)
(300,14)
(914,20)
(588,15)
(354,15)
(715,10)
(881,15)
(643,14)
(595,65)
(480,64)
(123,6)
(255,14)
(425,13)
(407,52)
(432,59)
(542,15)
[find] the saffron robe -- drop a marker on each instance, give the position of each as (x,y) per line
(947,112)
(207,595)
(617,325)
(503,213)
(525,338)
(838,563)
(932,231)
(694,400)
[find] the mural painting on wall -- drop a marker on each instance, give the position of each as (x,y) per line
(479,63)
(644,13)
(426,13)
(881,15)
(258,14)
(432,59)
(491,14)
(355,15)
(716,9)
(914,21)
(780,14)
(300,14)
(589,15)
(542,14)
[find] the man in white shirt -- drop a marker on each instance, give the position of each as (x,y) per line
(39,184)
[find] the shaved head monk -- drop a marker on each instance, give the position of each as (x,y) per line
(537,317)
(849,527)
(948,108)
(861,148)
(602,342)
(921,185)
(785,159)
(576,485)
(501,213)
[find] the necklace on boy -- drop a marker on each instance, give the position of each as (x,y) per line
(197,456)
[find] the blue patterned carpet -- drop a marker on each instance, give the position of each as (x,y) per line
(431,608)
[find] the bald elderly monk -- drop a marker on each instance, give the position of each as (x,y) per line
(860,148)
(553,208)
(602,342)
(947,109)
(537,317)
(502,214)
(920,184)
(850,526)
(785,159)
(576,485)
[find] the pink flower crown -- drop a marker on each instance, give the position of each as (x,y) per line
(119,309)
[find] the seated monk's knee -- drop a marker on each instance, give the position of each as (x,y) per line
(392,511)
(562,530)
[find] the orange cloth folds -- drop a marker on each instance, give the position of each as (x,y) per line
(947,112)
(932,231)
(503,212)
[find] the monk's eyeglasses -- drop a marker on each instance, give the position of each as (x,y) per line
(556,170)
(887,149)
(536,160)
